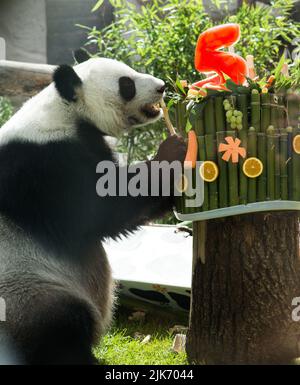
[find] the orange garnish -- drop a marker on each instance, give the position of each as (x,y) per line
(232,149)
(192,150)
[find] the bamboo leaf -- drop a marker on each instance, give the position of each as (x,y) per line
(97,5)
(279,66)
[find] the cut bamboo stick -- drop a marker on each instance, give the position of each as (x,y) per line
(167,118)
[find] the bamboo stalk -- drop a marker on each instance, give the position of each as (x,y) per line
(274,111)
(219,113)
(223,173)
(199,124)
(209,117)
(296,170)
(255,110)
(242,103)
(277,166)
(196,118)
(265,111)
(281,114)
(290,161)
(252,152)
(211,153)
(233,178)
(202,157)
(284,164)
(180,114)
(262,179)
(271,163)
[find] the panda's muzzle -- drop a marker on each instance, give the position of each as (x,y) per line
(151,110)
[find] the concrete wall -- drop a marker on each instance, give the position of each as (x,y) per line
(23,26)
(45,31)
(63,35)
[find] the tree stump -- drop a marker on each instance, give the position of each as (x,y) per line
(246,273)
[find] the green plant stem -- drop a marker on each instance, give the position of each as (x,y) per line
(219,113)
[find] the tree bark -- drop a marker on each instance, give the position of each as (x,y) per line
(246,273)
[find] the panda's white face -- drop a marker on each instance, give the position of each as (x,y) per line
(115,97)
(106,92)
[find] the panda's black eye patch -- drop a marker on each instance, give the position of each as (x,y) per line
(127,88)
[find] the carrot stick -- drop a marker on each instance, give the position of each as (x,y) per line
(192,149)
(167,118)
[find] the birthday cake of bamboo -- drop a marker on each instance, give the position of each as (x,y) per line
(243,129)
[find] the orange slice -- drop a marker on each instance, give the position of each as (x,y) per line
(253,167)
(209,171)
(296,144)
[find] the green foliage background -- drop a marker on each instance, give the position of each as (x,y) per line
(161,37)
(6,110)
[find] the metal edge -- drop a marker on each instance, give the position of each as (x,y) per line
(239,210)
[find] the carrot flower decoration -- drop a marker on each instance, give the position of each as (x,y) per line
(232,149)
(209,59)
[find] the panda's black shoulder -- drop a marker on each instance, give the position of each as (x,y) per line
(43,185)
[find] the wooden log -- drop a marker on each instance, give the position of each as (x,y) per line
(20,81)
(245,275)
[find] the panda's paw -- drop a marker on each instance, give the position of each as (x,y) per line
(173,148)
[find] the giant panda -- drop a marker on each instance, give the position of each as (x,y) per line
(54,274)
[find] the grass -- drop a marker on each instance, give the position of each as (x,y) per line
(119,347)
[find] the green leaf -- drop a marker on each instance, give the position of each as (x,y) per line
(97,5)
(179,86)
(188,126)
(279,66)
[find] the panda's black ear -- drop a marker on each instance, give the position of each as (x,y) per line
(81,55)
(67,82)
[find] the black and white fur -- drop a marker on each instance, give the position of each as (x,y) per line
(54,274)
